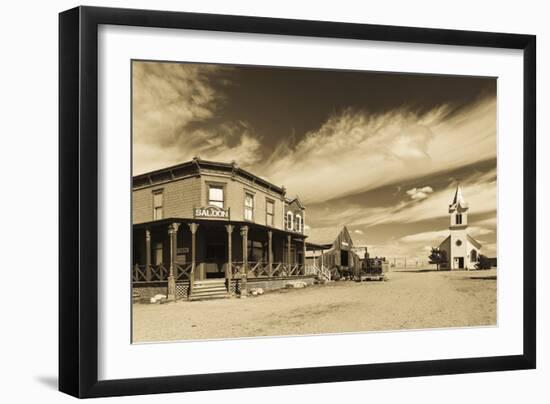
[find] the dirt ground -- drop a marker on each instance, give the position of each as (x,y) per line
(409,299)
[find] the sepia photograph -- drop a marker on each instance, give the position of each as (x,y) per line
(282,201)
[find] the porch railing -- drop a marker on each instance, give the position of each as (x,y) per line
(256,269)
(160,273)
(260,269)
(321,271)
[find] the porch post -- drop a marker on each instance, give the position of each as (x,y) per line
(244,269)
(304,258)
(228,269)
(148,254)
(193,227)
(269,251)
(314,258)
(173,233)
(288,255)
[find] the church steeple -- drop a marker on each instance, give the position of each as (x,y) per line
(458,210)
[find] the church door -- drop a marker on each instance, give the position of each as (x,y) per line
(460,262)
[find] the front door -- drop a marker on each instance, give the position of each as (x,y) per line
(460,262)
(215,259)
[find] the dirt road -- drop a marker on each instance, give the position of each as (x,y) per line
(408,300)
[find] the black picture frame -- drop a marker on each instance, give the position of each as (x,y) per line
(78,201)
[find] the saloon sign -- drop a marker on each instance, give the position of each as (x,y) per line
(211,212)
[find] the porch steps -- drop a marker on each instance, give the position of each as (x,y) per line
(209,289)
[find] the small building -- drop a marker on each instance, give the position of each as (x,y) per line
(460,249)
(204,223)
(338,257)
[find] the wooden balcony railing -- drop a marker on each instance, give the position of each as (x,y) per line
(256,269)
(260,269)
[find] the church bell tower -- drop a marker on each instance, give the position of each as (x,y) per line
(458,215)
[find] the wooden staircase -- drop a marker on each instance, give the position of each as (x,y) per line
(209,289)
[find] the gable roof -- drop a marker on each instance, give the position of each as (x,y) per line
(444,241)
(472,240)
(297,201)
(343,236)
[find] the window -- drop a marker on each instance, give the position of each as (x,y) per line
(458,218)
(157,254)
(473,256)
(289,221)
(248,206)
(298,223)
(215,195)
(256,251)
(269,212)
(157,205)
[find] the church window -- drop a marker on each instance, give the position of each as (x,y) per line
(458,243)
(458,218)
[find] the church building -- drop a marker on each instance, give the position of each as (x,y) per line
(461,249)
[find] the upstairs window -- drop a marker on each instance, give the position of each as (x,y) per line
(215,196)
(157,205)
(269,213)
(248,206)
(289,221)
(458,218)
(298,223)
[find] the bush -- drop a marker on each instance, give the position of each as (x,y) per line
(483,262)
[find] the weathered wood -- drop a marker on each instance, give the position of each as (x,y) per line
(228,269)
(148,254)
(244,270)
(173,238)
(288,251)
(269,252)
(193,227)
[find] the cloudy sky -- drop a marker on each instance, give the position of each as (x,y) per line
(378,152)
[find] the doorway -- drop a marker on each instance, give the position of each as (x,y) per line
(344,258)
(460,262)
(215,259)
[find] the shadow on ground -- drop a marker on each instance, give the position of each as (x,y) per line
(486,278)
(48,381)
(419,270)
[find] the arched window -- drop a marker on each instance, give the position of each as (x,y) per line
(298,223)
(289,221)
(473,256)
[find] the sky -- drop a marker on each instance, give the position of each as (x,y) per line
(380,153)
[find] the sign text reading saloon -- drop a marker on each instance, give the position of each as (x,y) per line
(212,212)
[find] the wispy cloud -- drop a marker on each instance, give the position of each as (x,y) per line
(354,151)
(170,101)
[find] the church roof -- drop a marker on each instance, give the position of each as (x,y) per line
(458,199)
(472,240)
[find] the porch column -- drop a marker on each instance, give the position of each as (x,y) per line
(173,234)
(193,227)
(228,269)
(269,251)
(148,254)
(244,269)
(304,257)
(314,258)
(288,255)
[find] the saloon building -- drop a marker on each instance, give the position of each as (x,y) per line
(209,229)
